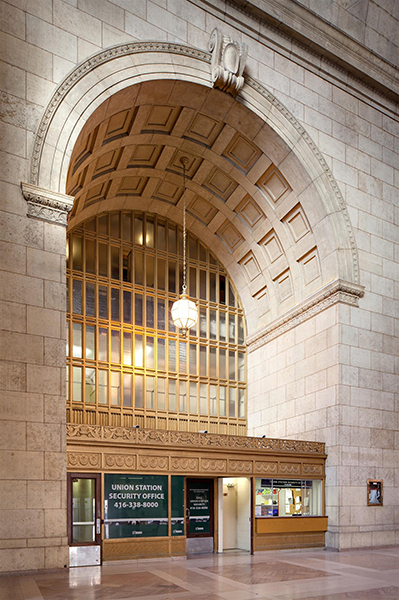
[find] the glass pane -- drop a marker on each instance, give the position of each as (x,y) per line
(161,273)
(77,253)
(183,396)
(114,225)
(232,329)
(172,395)
(77,297)
(182,357)
(203,361)
(202,323)
(150,392)
(161,315)
(138,230)
(90,299)
(222,326)
(83,510)
(138,350)
(212,287)
(202,253)
(212,324)
(203,285)
(193,399)
(172,247)
(203,399)
(232,402)
(138,391)
(102,302)
(193,282)
(240,330)
(77,340)
(115,347)
(193,359)
(127,267)
(90,387)
(103,387)
(127,306)
(102,225)
(222,401)
(103,260)
(172,277)
(127,227)
(172,355)
(127,389)
(241,403)
(149,233)
(171,325)
(115,274)
(90,342)
(222,363)
(150,312)
(161,354)
(90,256)
(115,305)
(222,289)
(241,366)
(91,225)
(149,352)
(150,271)
(115,388)
(192,247)
(161,238)
(232,296)
(212,400)
(161,394)
(77,384)
(127,348)
(103,344)
(138,268)
(138,310)
(212,362)
(232,365)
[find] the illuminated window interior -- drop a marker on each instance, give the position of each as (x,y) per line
(126,362)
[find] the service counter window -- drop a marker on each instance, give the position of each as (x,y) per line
(288,498)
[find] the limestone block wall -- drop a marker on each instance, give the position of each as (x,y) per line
(333,378)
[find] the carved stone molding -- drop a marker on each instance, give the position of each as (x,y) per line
(77,433)
(338,291)
(240,466)
(290,468)
(46,205)
(85,460)
(120,461)
(312,469)
(228,62)
(184,464)
(266,468)
(214,465)
(151,463)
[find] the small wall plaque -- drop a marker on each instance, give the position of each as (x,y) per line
(374,492)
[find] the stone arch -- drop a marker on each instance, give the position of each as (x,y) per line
(291,151)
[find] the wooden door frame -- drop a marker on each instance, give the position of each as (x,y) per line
(97,515)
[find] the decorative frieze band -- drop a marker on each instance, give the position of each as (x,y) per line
(46,205)
(77,433)
(337,291)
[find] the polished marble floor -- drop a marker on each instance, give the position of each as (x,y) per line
(316,574)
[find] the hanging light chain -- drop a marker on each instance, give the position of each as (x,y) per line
(184,161)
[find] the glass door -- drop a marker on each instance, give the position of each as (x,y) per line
(84,519)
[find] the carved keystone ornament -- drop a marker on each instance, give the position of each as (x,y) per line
(228,62)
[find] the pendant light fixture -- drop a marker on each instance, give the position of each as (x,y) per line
(184,311)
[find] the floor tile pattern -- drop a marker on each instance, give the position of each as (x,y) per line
(293,575)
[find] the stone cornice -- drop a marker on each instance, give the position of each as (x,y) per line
(79,433)
(337,291)
(296,32)
(46,205)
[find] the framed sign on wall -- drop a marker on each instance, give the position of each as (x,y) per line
(374,492)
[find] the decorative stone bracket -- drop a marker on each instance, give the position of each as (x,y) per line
(46,205)
(228,62)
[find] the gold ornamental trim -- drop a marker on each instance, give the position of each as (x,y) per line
(80,433)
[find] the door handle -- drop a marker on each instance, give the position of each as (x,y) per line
(98,526)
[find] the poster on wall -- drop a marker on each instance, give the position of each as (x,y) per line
(135,505)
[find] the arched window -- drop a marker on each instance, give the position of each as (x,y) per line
(126,362)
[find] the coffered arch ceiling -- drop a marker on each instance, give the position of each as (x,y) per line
(248,196)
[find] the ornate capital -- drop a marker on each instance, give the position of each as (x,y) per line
(46,205)
(228,62)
